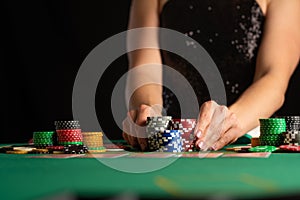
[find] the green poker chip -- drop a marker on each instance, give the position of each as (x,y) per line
(70,143)
(263,149)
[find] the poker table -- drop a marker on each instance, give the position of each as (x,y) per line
(275,177)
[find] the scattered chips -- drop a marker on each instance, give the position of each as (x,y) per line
(263,149)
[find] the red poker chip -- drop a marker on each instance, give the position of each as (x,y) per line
(290,148)
(69,131)
(70,137)
(55,147)
(70,140)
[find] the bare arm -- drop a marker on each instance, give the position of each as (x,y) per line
(145,13)
(277,59)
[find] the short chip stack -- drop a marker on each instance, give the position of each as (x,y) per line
(42,139)
(271,130)
(93,141)
(155,125)
(68,133)
(186,126)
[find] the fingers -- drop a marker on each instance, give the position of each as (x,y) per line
(134,130)
(229,137)
(144,112)
(204,118)
(129,133)
(217,126)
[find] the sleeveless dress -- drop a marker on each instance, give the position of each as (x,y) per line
(229,30)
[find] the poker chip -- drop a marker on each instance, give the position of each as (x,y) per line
(292,122)
(60,125)
(55,149)
(75,149)
(291,137)
(40,151)
(97,150)
(263,149)
(17,152)
(28,149)
(290,148)
(271,130)
(170,141)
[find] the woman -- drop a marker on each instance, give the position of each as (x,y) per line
(255,45)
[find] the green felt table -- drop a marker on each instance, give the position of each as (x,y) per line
(184,178)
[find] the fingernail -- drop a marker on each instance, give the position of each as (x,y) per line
(199,134)
(201,145)
(214,147)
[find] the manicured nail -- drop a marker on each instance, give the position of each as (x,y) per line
(199,134)
(201,145)
(214,147)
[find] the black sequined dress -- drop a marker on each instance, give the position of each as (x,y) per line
(229,30)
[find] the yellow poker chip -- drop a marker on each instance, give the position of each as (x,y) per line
(40,151)
(58,152)
(17,152)
(97,151)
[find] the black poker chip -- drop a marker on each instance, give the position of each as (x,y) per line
(60,125)
(75,149)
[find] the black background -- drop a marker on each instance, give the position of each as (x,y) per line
(44,44)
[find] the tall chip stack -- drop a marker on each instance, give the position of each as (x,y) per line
(271,131)
(155,125)
(292,134)
(68,132)
(69,135)
(186,126)
(93,141)
(43,139)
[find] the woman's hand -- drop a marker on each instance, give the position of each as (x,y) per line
(217,126)
(134,126)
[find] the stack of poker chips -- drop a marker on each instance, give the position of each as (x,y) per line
(68,133)
(155,125)
(42,139)
(186,126)
(292,134)
(271,131)
(170,141)
(93,141)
